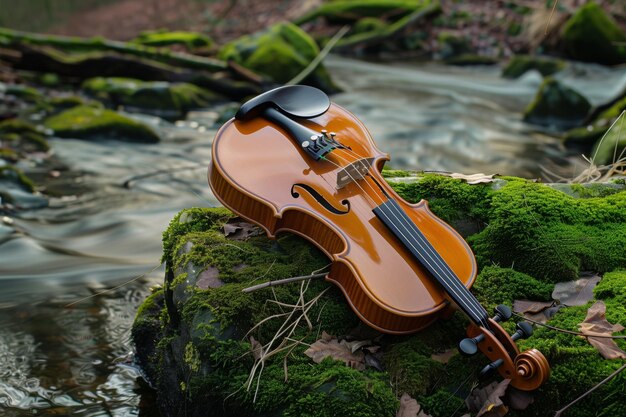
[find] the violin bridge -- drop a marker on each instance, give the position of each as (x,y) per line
(353,172)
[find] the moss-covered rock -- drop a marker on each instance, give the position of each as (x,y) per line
(24,92)
(587,138)
(465,60)
(195,336)
(557,106)
(22,137)
(86,122)
(592,35)
(519,64)
(349,11)
(155,96)
(191,40)
(451,45)
(280,52)
(9,173)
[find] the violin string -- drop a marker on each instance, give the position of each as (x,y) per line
(451,275)
(462,295)
(452,279)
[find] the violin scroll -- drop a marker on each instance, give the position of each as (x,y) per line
(527,370)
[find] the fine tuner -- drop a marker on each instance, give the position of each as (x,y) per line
(400,267)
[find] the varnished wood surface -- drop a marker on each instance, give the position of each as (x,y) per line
(255,165)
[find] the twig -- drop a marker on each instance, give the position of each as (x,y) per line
(598,385)
(558,329)
(316,61)
(556,2)
(114,288)
(282,281)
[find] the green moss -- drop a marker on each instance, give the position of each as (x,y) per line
(519,64)
(49,79)
(191,40)
(11,173)
(22,136)
(85,122)
(280,52)
(340,11)
(368,24)
(592,35)
(495,285)
(583,137)
(24,92)
(161,96)
(550,235)
(452,45)
(557,105)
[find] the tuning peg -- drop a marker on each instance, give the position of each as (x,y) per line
(524,330)
(503,313)
(469,346)
(488,370)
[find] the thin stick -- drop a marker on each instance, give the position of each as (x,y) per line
(558,329)
(598,385)
(316,61)
(114,288)
(551,14)
(282,281)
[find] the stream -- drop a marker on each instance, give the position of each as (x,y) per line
(62,353)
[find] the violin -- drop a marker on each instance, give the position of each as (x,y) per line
(290,161)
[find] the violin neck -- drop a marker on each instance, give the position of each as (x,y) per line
(401,225)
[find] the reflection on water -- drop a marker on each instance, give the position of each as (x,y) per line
(56,360)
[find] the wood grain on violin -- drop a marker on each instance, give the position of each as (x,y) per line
(399,266)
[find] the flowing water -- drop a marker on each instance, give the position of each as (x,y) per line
(61,359)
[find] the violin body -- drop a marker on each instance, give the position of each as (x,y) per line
(257,171)
(399,266)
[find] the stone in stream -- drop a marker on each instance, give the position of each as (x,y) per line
(592,35)
(557,106)
(192,339)
(280,52)
(87,122)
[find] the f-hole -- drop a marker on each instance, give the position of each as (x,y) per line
(320,199)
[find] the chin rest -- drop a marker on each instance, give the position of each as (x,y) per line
(292,100)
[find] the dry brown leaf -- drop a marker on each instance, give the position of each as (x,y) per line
(575,293)
(338,350)
(239,230)
(473,178)
(444,356)
(488,400)
(529,306)
(410,408)
(256,348)
(596,324)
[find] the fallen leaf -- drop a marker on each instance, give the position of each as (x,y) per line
(338,350)
(256,348)
(240,230)
(528,306)
(209,278)
(444,356)
(410,408)
(575,293)
(488,400)
(596,324)
(473,178)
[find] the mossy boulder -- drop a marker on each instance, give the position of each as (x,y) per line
(191,40)
(519,64)
(280,52)
(86,122)
(593,36)
(350,11)
(24,92)
(557,106)
(22,137)
(451,45)
(154,96)
(193,337)
(587,138)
